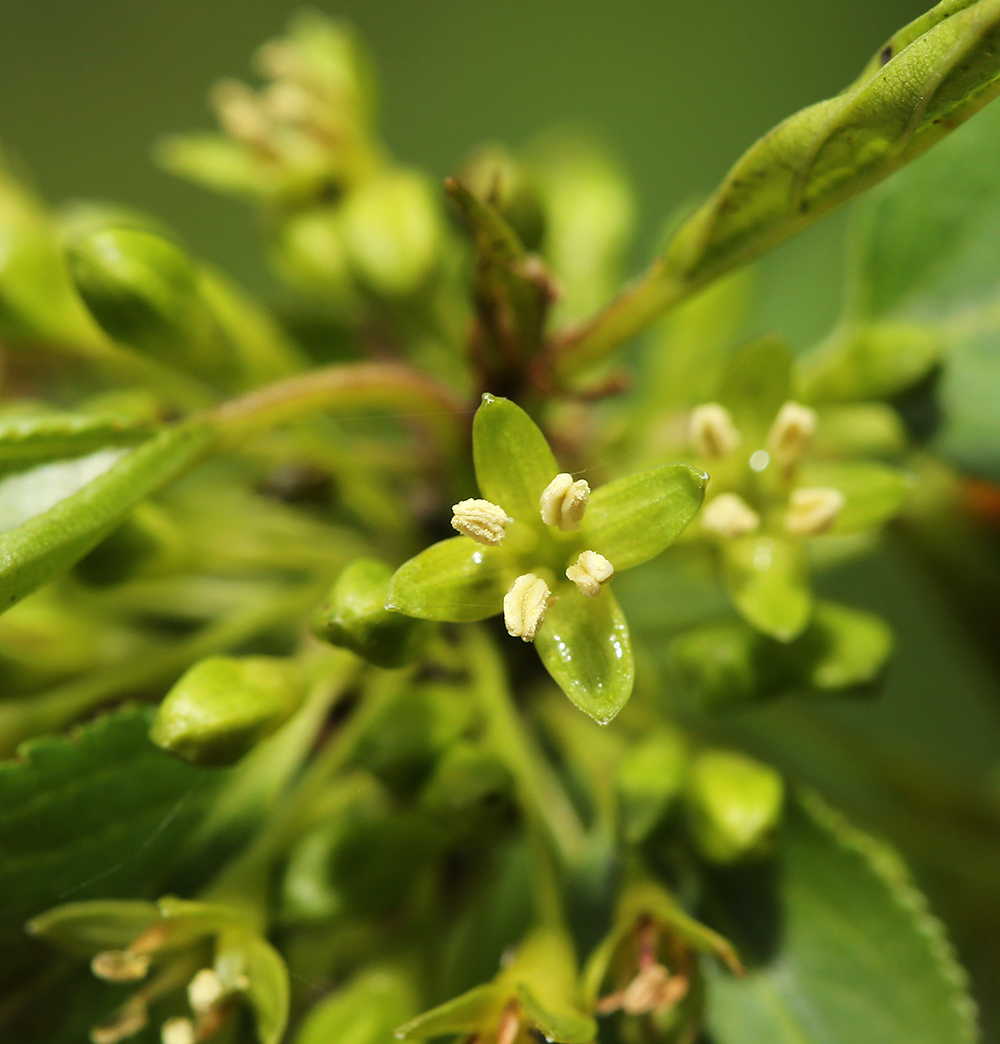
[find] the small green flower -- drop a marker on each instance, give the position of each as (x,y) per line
(541,548)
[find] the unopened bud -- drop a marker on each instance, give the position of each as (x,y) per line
(730,516)
(791,433)
(205,990)
(653,989)
(813,511)
(126,1022)
(178,1030)
(589,572)
(485,522)
(712,432)
(564,502)
(240,114)
(120,965)
(524,606)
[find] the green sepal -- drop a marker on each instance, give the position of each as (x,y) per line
(243,956)
(365,1011)
(223,706)
(90,927)
(768,582)
(466,1013)
(734,804)
(757,381)
(455,580)
(51,542)
(862,429)
(873,493)
(567,1026)
(584,644)
(353,616)
(650,776)
(634,518)
(729,663)
(513,461)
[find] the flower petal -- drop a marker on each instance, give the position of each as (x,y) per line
(769,584)
(456,580)
(873,492)
(513,461)
(633,519)
(585,646)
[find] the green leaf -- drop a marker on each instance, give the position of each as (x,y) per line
(365,1011)
(634,518)
(223,706)
(27,441)
(729,663)
(476,1008)
(513,461)
(769,584)
(50,542)
(585,646)
(757,382)
(734,804)
(99,812)
(873,493)
(457,580)
(857,956)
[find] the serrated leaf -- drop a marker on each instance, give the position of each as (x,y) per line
(769,584)
(513,461)
(50,542)
(95,813)
(857,957)
(585,646)
(873,493)
(634,518)
(456,580)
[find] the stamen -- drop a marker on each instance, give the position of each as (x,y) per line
(485,522)
(564,502)
(712,431)
(791,433)
(590,572)
(813,511)
(525,605)
(730,516)
(120,965)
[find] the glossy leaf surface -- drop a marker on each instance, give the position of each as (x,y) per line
(634,518)
(585,646)
(513,461)
(857,956)
(457,580)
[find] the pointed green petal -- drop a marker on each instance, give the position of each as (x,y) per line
(568,1026)
(471,1011)
(633,519)
(513,461)
(769,584)
(456,580)
(873,492)
(585,646)
(756,384)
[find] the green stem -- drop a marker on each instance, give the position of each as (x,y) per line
(542,796)
(55,709)
(389,386)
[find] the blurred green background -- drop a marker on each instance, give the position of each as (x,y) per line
(678,90)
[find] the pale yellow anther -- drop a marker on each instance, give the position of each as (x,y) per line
(127,1021)
(791,433)
(564,502)
(178,1030)
(589,572)
(205,990)
(239,111)
(653,989)
(712,432)
(486,523)
(524,606)
(120,965)
(812,511)
(729,516)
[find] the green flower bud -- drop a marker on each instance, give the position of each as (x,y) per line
(310,251)
(493,175)
(143,290)
(354,617)
(393,234)
(223,706)
(734,804)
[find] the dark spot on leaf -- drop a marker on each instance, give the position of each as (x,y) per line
(887,55)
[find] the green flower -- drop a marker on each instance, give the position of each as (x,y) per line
(541,549)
